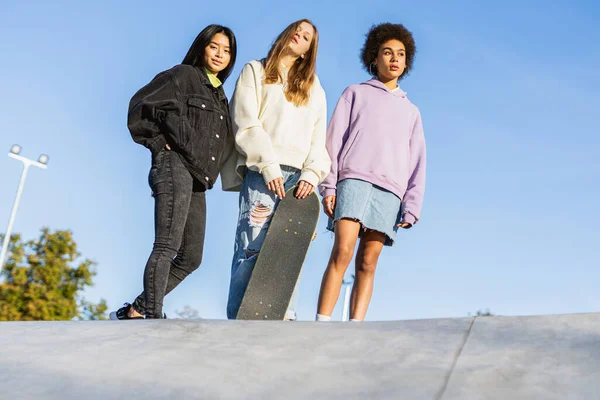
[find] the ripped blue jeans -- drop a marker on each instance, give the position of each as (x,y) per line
(257,204)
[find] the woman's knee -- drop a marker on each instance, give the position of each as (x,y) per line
(367,262)
(342,254)
(164,248)
(189,261)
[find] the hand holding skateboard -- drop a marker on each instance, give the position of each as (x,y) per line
(276,186)
(305,189)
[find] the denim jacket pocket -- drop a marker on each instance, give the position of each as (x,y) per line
(202,112)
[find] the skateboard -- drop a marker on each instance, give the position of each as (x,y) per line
(281,257)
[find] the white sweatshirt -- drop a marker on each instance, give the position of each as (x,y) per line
(271,131)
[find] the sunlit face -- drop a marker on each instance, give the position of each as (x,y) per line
(391,60)
(302,39)
(217,54)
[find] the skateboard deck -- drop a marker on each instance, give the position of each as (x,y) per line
(280,259)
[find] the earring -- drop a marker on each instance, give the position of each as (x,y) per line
(371,69)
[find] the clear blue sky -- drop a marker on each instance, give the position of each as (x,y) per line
(509,94)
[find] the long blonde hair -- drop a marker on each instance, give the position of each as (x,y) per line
(301,75)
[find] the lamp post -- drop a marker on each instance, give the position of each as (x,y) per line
(40,163)
(346,309)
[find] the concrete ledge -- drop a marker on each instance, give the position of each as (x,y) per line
(546,357)
(504,357)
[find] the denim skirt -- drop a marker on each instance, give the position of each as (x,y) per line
(374,207)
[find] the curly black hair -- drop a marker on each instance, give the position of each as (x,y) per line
(379,34)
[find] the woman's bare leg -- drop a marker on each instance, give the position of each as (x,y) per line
(346,234)
(369,249)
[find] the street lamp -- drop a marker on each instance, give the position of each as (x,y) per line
(40,163)
(345,311)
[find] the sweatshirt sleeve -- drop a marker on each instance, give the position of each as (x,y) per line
(155,112)
(413,198)
(337,134)
(250,137)
(317,164)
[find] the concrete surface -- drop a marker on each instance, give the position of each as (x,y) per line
(466,358)
(546,357)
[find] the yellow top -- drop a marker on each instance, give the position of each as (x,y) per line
(216,82)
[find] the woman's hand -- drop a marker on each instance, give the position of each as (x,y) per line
(329,206)
(304,189)
(276,186)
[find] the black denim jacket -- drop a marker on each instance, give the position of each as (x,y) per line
(182,108)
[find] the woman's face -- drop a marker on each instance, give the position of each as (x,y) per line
(217,54)
(302,39)
(391,60)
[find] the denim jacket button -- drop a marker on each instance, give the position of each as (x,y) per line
(206,178)
(217,135)
(203,106)
(212,158)
(221,117)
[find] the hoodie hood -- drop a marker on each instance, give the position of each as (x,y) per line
(376,83)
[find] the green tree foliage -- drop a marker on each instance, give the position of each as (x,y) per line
(43,280)
(483,313)
(188,313)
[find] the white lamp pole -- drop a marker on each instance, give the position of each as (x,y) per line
(346,310)
(41,163)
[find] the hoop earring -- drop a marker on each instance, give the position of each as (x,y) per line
(371,69)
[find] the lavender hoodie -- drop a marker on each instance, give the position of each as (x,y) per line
(376,135)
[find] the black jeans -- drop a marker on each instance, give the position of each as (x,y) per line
(179,223)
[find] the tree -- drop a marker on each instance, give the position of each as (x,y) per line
(485,313)
(43,280)
(188,313)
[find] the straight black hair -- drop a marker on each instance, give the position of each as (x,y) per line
(195,54)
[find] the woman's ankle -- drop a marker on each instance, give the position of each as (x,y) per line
(323,318)
(132,313)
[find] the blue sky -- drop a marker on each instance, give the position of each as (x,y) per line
(509,94)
